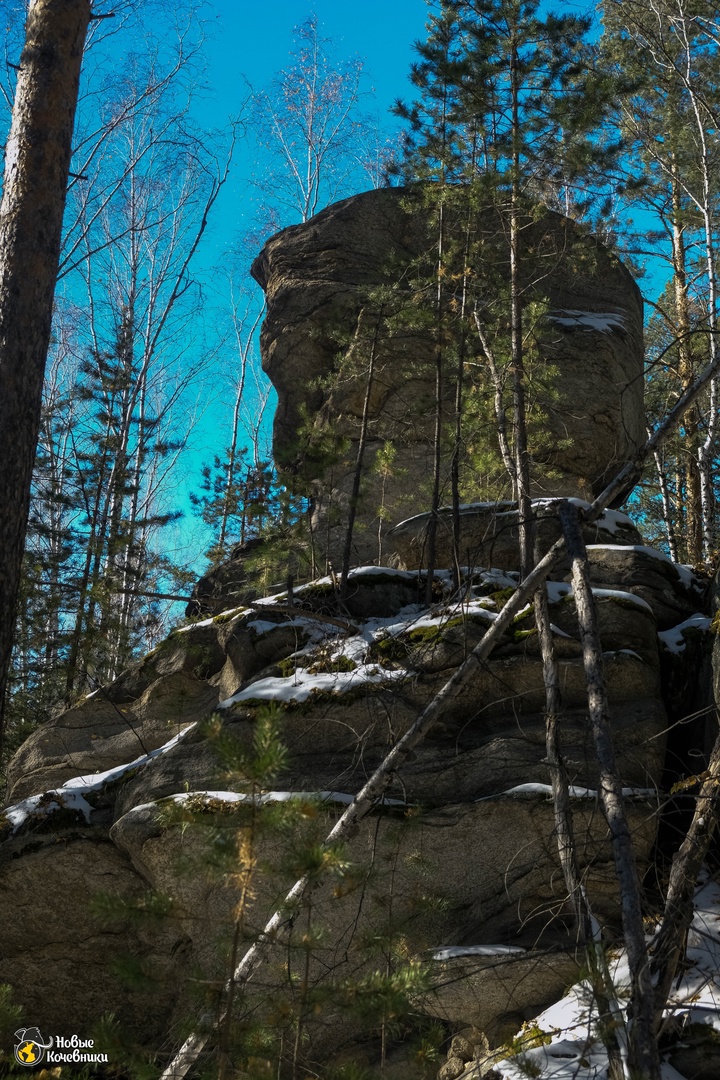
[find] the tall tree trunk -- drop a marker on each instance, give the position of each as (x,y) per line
(37,164)
(693,495)
(359,459)
(588,932)
(643,1055)
(522,454)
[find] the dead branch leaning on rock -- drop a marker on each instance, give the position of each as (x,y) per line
(367,797)
(643,1051)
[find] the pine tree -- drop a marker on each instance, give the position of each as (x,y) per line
(511,105)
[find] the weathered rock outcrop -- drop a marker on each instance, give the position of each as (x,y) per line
(462,851)
(317,278)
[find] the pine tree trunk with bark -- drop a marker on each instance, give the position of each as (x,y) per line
(37,164)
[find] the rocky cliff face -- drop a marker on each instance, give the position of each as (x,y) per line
(139,791)
(321,281)
(462,848)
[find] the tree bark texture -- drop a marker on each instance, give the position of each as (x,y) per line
(644,1056)
(37,163)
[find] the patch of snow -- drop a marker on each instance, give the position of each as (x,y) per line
(194,626)
(576,1053)
(300,685)
(619,594)
(450,952)
(501,579)
(70,794)
(560,633)
(560,590)
(603,321)
(385,571)
(48,803)
(685,574)
(574,792)
(316,629)
(613,520)
(674,639)
(95,781)
(340,797)
(557,591)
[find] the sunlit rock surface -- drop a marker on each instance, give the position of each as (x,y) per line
(318,278)
(464,842)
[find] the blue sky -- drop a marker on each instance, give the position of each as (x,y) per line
(254,41)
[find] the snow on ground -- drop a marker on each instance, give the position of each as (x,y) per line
(674,639)
(557,591)
(302,683)
(341,798)
(195,625)
(697,994)
(575,1053)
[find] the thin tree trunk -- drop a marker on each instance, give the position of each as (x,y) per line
(499,405)
(522,454)
(666,506)
(587,929)
(359,462)
(37,164)
(459,383)
(693,494)
(643,1046)
(431,539)
(558,772)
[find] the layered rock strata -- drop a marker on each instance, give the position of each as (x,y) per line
(462,848)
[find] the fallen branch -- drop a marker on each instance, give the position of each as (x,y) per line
(644,1055)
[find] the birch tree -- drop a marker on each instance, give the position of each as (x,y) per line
(669,120)
(308,120)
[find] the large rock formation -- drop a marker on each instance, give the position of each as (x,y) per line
(460,858)
(319,279)
(146,790)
